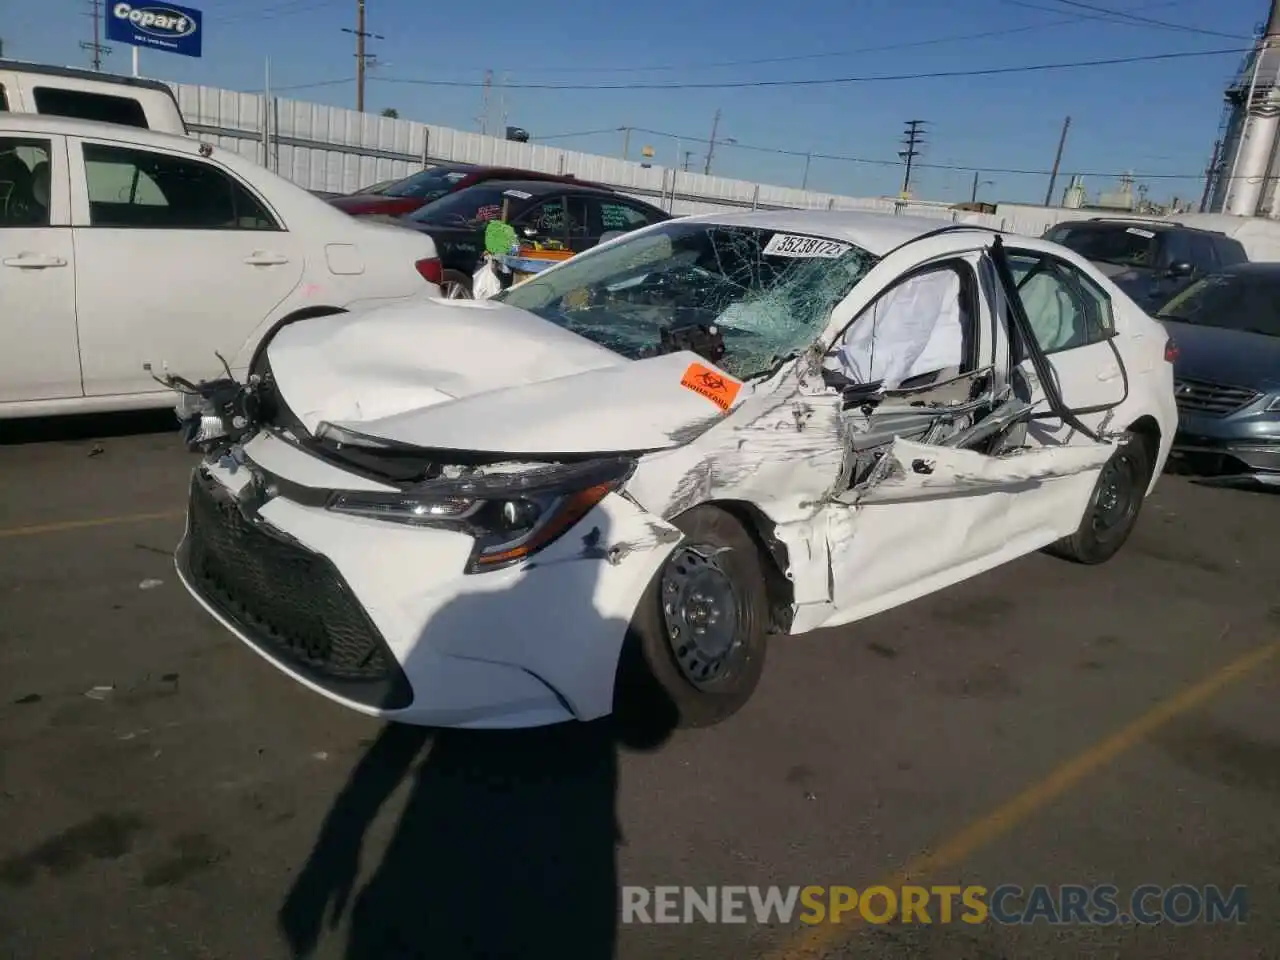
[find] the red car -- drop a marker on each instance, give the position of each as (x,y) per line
(405,196)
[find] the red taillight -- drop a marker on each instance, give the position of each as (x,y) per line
(1170,350)
(431,270)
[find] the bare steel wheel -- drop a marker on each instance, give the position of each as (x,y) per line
(701,612)
(697,640)
(1114,507)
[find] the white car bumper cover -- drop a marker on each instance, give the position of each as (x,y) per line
(524,646)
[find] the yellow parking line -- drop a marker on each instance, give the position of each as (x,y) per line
(1004,818)
(62,525)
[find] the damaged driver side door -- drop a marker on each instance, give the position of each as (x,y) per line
(938,484)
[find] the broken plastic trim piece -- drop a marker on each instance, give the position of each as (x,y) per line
(342,436)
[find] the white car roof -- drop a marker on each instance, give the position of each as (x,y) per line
(70,127)
(877,233)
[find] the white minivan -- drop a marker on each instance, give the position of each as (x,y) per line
(127,252)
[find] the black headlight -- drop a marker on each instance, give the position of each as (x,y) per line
(511,515)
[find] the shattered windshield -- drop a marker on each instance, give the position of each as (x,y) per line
(769,292)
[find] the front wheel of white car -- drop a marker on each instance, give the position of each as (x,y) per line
(1114,507)
(696,646)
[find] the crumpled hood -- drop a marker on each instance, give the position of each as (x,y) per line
(481,376)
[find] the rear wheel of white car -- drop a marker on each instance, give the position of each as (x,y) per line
(455,286)
(697,640)
(1114,507)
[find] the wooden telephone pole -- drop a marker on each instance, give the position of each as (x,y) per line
(1057,162)
(362,58)
(95,46)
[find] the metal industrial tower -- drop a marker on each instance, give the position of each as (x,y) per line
(1246,175)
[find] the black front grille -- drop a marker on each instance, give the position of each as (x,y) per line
(1214,399)
(287,599)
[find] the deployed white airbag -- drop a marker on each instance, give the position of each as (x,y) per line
(913,329)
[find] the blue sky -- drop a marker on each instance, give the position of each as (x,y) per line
(1152,118)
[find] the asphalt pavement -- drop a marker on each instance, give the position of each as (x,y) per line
(166,793)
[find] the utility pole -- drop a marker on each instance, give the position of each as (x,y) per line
(688,155)
(973,197)
(362,58)
(912,138)
(484,102)
(1057,162)
(94,46)
(1212,168)
(711,143)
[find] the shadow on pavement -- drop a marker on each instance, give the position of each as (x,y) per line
(506,848)
(507,844)
(92,426)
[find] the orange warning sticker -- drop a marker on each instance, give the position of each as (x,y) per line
(716,387)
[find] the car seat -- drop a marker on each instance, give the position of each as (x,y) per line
(42,185)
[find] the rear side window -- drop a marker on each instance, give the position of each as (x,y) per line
(158,191)
(1203,255)
(1230,252)
(620,216)
(24,182)
(4,100)
(81,105)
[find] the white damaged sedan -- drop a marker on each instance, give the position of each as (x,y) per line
(614,482)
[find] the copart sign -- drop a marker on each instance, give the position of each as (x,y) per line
(164,26)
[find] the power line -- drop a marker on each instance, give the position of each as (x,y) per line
(579,133)
(312,86)
(1145,21)
(869,161)
(1117,17)
(288,8)
(795,58)
(829,81)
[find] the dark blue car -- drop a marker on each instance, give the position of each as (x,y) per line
(1227,373)
(1150,260)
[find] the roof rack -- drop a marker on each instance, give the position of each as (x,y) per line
(1172,223)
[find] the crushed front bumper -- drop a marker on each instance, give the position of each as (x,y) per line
(380,616)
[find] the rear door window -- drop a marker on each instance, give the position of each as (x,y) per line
(1204,257)
(616,215)
(81,105)
(1230,252)
(158,191)
(24,182)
